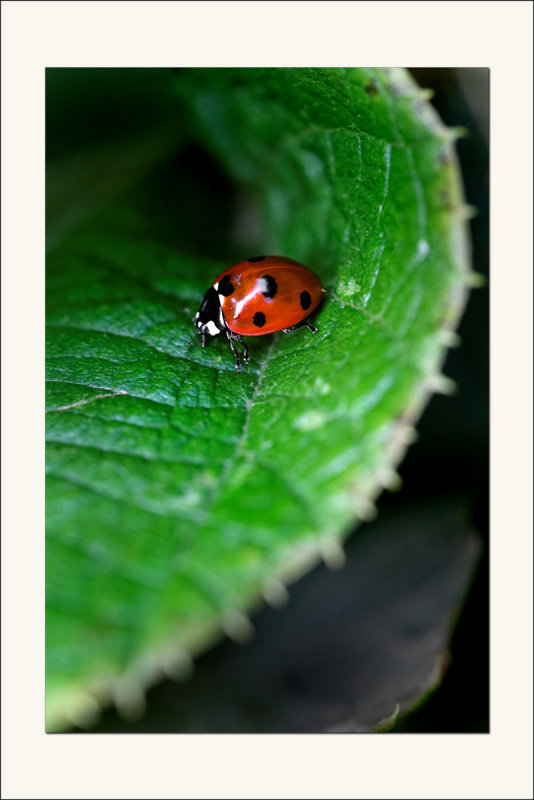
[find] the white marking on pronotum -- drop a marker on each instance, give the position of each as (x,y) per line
(212,328)
(216,285)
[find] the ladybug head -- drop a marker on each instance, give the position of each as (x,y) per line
(209,317)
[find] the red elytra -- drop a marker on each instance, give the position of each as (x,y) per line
(259,296)
(276,291)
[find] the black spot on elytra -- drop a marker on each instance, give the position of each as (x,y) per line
(271,289)
(226,287)
(257,258)
(259,319)
(305,300)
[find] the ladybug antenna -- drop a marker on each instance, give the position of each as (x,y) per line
(194,336)
(195,339)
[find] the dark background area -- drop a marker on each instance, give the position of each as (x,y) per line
(449,464)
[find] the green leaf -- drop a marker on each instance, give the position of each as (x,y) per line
(180,493)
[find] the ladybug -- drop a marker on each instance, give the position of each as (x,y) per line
(258,296)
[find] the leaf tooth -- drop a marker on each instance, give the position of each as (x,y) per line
(364,507)
(467,211)
(441,384)
(449,338)
(475,280)
(176,664)
(275,593)
(425,94)
(332,553)
(389,478)
(129,698)
(148,670)
(86,711)
(456,132)
(100,689)
(237,626)
(406,434)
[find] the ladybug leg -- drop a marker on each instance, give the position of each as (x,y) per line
(311,328)
(234,337)
(194,336)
